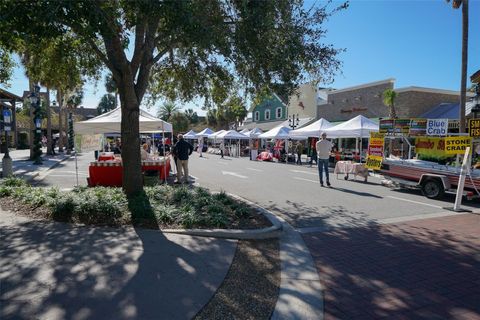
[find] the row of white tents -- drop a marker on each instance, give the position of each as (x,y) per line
(358,127)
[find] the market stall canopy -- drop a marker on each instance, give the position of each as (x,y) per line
(254,133)
(358,127)
(245,131)
(232,134)
(276,133)
(215,134)
(110,122)
(190,135)
(204,133)
(312,130)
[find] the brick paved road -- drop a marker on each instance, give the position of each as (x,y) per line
(423,269)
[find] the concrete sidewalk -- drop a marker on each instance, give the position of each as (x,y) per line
(53,270)
(420,269)
(24,168)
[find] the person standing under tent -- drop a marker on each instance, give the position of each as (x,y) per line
(324,148)
(182,150)
(299,150)
(222,148)
(200,146)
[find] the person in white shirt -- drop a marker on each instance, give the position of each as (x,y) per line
(143,152)
(323,147)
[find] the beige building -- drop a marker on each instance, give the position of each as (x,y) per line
(304,101)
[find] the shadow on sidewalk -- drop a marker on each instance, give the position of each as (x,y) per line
(428,269)
(56,270)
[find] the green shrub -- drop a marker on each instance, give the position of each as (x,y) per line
(13,182)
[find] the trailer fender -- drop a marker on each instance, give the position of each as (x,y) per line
(442,178)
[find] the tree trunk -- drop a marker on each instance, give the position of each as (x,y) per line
(463,86)
(132,171)
(60,120)
(49,124)
(65,127)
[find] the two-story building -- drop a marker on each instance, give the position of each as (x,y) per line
(269,113)
(367,100)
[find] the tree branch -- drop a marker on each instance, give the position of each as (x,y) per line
(139,47)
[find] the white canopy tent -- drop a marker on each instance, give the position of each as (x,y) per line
(111,121)
(358,127)
(254,133)
(232,134)
(312,130)
(190,135)
(245,131)
(214,135)
(276,133)
(204,133)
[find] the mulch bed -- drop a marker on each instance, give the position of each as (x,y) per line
(250,289)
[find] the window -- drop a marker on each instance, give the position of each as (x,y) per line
(278,113)
(267,114)
(257,116)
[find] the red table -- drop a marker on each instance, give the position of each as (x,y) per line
(110,173)
(106,157)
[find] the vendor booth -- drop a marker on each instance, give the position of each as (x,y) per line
(312,130)
(359,128)
(107,170)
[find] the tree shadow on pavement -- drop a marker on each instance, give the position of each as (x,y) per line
(300,215)
(426,269)
(60,271)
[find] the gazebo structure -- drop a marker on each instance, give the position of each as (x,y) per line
(8,101)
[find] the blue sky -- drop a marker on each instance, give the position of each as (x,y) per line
(417,42)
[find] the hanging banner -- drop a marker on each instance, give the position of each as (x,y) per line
(402,126)
(374,162)
(437,127)
(431,147)
(386,126)
(418,127)
(88,142)
(457,145)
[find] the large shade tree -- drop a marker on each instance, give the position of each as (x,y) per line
(178,48)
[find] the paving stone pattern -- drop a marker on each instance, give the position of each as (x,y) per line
(423,269)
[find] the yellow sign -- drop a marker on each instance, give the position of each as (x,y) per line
(457,145)
(432,147)
(374,162)
(376,139)
(474,127)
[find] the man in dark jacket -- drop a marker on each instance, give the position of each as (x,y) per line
(181,151)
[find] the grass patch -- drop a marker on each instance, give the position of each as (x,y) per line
(161,206)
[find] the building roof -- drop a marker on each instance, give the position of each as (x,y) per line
(447,111)
(4,94)
(475,78)
(432,90)
(365,85)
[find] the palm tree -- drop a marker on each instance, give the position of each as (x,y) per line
(166,110)
(389,97)
(463,85)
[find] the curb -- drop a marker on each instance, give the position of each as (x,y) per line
(275,231)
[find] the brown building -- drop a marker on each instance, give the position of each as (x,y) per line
(367,100)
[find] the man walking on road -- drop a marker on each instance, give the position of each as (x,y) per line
(182,150)
(323,147)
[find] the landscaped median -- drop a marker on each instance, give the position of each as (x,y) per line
(178,209)
(250,288)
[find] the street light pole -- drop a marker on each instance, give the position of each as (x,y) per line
(35,102)
(7,169)
(293,121)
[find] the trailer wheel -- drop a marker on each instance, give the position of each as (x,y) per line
(433,189)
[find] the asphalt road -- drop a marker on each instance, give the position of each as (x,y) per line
(292,191)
